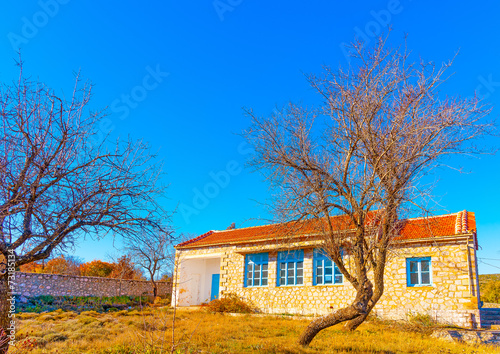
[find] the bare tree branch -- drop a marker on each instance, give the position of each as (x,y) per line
(60,181)
(354,163)
(151,251)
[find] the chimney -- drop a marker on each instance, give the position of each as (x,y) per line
(232,226)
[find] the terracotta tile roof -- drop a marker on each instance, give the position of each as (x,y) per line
(420,228)
(462,222)
(196,239)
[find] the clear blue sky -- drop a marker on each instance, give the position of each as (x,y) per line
(178,73)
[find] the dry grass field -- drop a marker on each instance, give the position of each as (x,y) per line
(128,332)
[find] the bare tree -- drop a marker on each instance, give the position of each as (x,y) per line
(59,180)
(124,268)
(69,265)
(152,252)
(355,164)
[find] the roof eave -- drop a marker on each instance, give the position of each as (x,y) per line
(401,241)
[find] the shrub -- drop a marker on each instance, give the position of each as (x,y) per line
(229,303)
(79,303)
(491,292)
(46,299)
(55,337)
(417,322)
(423,320)
(158,301)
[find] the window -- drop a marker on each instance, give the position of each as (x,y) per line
(291,268)
(418,271)
(325,270)
(256,269)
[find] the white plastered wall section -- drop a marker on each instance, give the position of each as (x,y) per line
(195,280)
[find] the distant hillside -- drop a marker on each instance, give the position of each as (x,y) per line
(489,286)
(486,278)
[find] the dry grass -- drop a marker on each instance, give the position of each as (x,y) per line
(200,332)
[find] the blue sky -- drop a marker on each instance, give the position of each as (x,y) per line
(177,74)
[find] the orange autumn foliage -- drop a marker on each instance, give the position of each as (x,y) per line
(123,268)
(96,268)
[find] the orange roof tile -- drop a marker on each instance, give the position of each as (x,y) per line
(420,228)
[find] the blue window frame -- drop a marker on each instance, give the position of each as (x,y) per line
(419,271)
(325,271)
(256,269)
(290,268)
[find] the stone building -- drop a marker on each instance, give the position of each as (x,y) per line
(431,269)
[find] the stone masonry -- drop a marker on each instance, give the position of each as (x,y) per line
(452,298)
(35,284)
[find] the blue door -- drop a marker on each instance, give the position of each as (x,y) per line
(214,294)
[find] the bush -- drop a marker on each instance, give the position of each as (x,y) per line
(423,320)
(229,303)
(491,292)
(46,299)
(55,337)
(79,303)
(160,302)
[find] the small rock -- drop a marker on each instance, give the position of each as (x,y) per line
(469,337)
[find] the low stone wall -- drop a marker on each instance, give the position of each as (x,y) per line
(35,284)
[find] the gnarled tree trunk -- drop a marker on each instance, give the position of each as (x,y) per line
(355,322)
(378,276)
(358,308)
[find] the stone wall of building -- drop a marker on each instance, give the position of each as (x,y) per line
(35,284)
(452,298)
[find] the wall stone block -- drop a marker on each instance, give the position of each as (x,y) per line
(447,300)
(34,284)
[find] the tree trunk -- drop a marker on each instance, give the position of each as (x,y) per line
(355,322)
(155,288)
(377,294)
(357,308)
(5,295)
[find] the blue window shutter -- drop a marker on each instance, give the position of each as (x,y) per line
(245,283)
(314,269)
